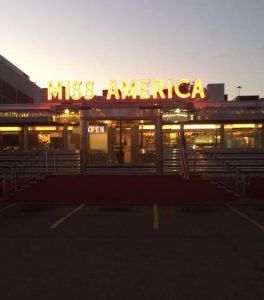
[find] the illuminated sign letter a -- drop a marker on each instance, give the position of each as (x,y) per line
(112,90)
(198,89)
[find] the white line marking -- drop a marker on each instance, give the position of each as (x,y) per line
(7,207)
(68,215)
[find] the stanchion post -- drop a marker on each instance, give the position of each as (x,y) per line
(46,161)
(4,186)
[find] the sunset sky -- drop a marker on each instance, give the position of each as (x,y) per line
(99,40)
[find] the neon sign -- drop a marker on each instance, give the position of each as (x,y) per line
(96,129)
(143,89)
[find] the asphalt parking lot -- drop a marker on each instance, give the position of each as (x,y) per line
(132,252)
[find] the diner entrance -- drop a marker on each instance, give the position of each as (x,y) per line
(123,142)
(120,142)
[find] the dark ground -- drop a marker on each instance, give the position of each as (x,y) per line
(113,252)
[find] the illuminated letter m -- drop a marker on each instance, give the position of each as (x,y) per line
(55,91)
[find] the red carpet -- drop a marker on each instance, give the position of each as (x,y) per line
(255,189)
(117,189)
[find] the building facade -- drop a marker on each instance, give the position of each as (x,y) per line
(130,131)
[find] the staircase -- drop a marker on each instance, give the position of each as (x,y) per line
(216,176)
(229,169)
(121,169)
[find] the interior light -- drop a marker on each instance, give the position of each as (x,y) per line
(201,126)
(10,128)
(43,128)
(148,127)
(171,127)
(230,126)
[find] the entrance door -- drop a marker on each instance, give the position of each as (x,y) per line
(134,142)
(122,142)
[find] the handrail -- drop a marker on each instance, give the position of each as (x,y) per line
(227,175)
(209,165)
(23,173)
(62,162)
(32,168)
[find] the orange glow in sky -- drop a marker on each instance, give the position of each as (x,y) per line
(218,41)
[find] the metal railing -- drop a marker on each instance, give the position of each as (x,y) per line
(224,173)
(209,166)
(21,175)
(231,169)
(27,169)
(249,161)
(171,160)
(62,162)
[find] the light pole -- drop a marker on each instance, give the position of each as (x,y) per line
(239,88)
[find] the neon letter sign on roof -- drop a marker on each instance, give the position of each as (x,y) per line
(78,90)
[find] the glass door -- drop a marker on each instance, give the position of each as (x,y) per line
(120,142)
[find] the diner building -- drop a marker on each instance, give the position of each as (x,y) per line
(129,131)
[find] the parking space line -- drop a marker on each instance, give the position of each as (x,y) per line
(7,207)
(155,217)
(68,215)
(244,216)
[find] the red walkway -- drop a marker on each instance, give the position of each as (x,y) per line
(118,189)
